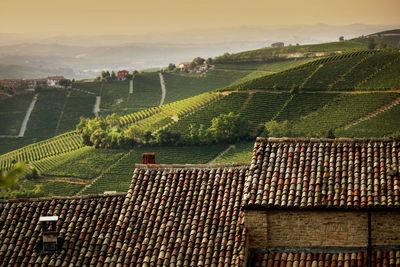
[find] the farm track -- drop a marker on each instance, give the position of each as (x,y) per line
(374,113)
(163,89)
(82,91)
(27,116)
(222,153)
(131,85)
(62,113)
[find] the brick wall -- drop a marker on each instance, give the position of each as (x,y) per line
(316,228)
(385,228)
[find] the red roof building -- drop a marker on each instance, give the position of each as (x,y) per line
(122,74)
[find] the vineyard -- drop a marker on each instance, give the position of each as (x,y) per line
(118,177)
(12,113)
(340,72)
(271,54)
(51,147)
(180,86)
(341,110)
(384,124)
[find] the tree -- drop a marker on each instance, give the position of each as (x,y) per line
(341,38)
(198,61)
(371,43)
(10,177)
(65,82)
(113,76)
(171,67)
(166,137)
(209,61)
(228,127)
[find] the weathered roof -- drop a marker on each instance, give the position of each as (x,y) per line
(380,258)
(335,173)
(193,216)
(168,217)
(88,225)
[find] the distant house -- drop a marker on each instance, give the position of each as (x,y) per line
(11,83)
(121,75)
(278,44)
(32,83)
(54,80)
(184,65)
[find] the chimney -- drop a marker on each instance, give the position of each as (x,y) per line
(49,233)
(149,158)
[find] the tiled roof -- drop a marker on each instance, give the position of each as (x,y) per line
(355,259)
(169,217)
(336,173)
(88,225)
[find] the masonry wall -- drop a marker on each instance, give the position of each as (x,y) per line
(319,228)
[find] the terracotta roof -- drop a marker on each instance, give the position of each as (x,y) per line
(337,173)
(354,259)
(170,217)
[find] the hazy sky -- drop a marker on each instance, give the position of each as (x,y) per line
(133,16)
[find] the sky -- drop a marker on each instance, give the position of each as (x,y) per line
(93,17)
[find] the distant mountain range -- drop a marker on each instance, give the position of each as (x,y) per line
(37,54)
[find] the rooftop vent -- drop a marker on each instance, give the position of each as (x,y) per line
(49,233)
(149,158)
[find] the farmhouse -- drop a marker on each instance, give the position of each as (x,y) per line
(184,65)
(278,44)
(300,202)
(54,80)
(11,83)
(121,75)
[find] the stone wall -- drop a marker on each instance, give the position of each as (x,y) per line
(320,228)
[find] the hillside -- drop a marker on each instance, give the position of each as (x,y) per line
(343,95)
(390,38)
(269,54)
(361,70)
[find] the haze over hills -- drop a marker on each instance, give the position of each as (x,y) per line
(33,55)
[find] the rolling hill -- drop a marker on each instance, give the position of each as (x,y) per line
(349,94)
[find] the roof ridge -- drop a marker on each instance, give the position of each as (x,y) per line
(317,140)
(191,166)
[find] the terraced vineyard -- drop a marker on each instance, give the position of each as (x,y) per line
(77,105)
(229,103)
(303,104)
(269,53)
(12,113)
(86,163)
(340,111)
(180,86)
(146,91)
(37,151)
(44,118)
(341,72)
(384,124)
(118,177)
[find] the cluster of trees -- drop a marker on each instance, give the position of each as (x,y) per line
(376,44)
(230,127)
(112,76)
(106,132)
